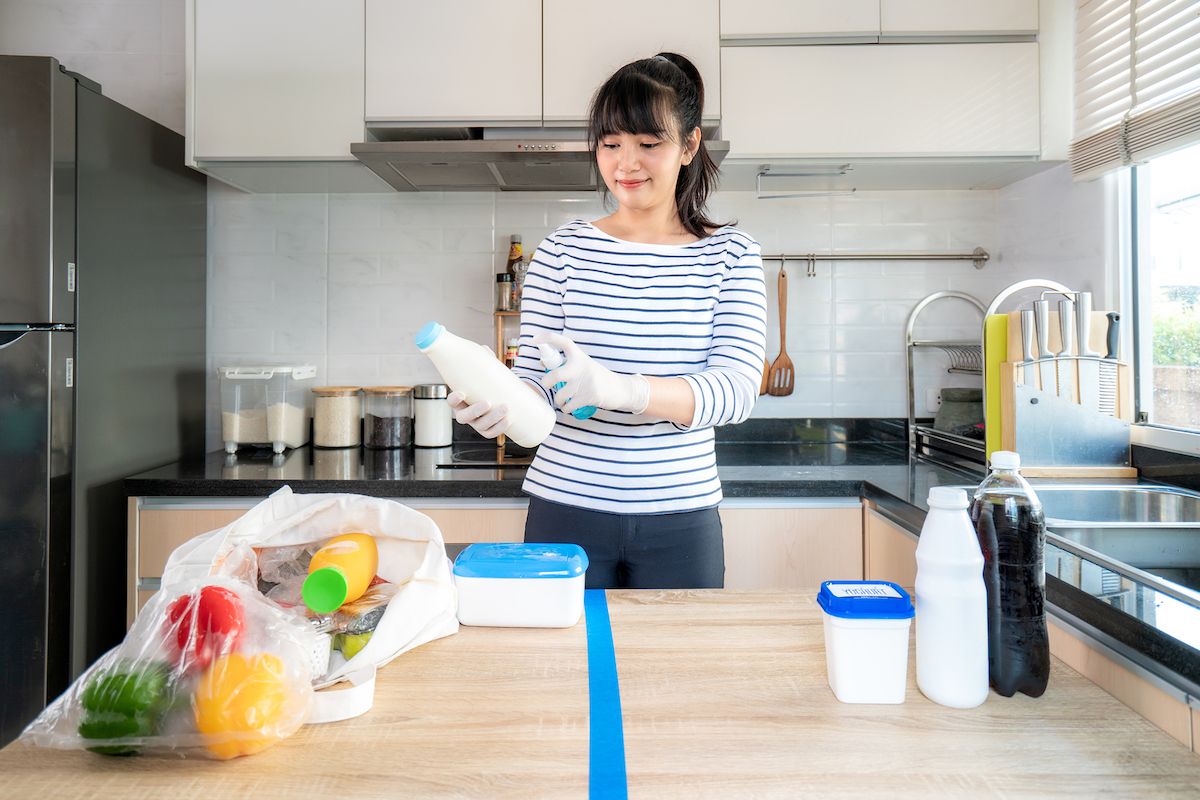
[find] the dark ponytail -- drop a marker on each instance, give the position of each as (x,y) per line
(660,96)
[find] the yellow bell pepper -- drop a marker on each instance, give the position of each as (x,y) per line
(242,704)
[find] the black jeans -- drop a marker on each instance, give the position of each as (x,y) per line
(685,550)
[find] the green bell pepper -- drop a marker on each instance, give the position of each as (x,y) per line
(123,702)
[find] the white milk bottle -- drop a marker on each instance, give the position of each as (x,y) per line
(951,603)
(475,371)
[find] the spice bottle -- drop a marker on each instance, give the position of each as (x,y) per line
(521,269)
(510,353)
(337,414)
(504,292)
(388,419)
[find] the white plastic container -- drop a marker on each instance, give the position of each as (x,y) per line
(475,371)
(526,585)
(266,406)
(951,605)
(866,640)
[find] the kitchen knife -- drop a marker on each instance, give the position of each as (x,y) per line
(1089,359)
(1028,370)
(1041,318)
(1108,367)
(1065,363)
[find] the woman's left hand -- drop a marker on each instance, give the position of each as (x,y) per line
(587,383)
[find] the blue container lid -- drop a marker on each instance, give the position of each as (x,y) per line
(428,335)
(864,600)
(521,560)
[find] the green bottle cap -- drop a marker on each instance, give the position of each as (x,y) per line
(325,590)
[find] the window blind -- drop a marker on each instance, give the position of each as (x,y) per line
(1137,81)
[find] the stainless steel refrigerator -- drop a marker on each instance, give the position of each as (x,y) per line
(102,325)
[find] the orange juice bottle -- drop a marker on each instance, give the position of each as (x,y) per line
(340,572)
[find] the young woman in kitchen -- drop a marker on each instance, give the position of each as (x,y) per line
(661,314)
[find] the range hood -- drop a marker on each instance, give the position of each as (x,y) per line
(488,165)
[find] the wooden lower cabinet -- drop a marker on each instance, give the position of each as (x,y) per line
(792,547)
(889,551)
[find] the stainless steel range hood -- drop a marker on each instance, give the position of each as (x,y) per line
(488,165)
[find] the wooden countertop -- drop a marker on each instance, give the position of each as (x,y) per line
(723,695)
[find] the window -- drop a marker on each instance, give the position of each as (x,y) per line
(1167,289)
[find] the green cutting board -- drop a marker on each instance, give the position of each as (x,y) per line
(995,337)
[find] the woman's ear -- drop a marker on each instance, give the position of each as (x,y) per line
(691,146)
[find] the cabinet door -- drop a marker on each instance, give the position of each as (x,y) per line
(948,17)
(791,548)
(889,551)
(881,100)
(276,79)
(795,19)
(584,43)
(477,61)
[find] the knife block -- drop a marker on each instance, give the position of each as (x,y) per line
(1050,431)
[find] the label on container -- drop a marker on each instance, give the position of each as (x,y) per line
(862,590)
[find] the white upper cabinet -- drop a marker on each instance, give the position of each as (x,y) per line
(584,43)
(905,101)
(950,17)
(467,61)
(799,19)
(275,79)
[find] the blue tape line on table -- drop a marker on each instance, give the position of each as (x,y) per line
(606,743)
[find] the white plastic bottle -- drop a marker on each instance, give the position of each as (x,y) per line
(475,371)
(951,604)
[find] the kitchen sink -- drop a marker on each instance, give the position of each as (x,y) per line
(1148,533)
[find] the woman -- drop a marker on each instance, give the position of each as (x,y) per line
(660,313)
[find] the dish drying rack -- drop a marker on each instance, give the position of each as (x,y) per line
(965,358)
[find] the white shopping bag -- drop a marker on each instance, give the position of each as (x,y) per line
(411,555)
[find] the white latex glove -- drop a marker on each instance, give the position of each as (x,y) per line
(489,422)
(590,384)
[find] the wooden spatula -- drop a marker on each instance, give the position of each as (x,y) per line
(782,378)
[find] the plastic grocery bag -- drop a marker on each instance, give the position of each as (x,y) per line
(209,667)
(412,556)
(213,666)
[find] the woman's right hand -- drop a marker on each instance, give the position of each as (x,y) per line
(487,421)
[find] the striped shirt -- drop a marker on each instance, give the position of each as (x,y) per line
(695,311)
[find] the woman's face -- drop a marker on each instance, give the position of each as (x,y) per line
(641,169)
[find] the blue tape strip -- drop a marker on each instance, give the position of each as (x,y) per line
(606,749)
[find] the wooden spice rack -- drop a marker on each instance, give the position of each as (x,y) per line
(499,318)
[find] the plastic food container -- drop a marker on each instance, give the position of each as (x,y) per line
(265,406)
(388,420)
(526,585)
(866,640)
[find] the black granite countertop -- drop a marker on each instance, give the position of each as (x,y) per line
(799,466)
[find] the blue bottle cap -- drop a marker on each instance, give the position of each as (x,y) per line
(429,334)
(865,600)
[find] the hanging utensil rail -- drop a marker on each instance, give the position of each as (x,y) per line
(978,256)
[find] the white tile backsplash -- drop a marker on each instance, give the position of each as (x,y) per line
(345,281)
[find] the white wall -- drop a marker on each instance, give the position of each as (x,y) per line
(133,48)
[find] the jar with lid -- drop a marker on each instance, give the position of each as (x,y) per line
(388,421)
(504,292)
(337,416)
(433,421)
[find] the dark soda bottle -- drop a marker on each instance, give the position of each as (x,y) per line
(1011,527)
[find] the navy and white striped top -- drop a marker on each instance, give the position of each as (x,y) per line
(696,311)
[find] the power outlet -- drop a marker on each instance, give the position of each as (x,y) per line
(933,400)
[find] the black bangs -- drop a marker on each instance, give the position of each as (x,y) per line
(630,102)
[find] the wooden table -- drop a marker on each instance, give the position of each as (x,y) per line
(724,695)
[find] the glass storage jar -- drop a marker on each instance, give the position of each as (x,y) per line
(337,416)
(388,421)
(434,423)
